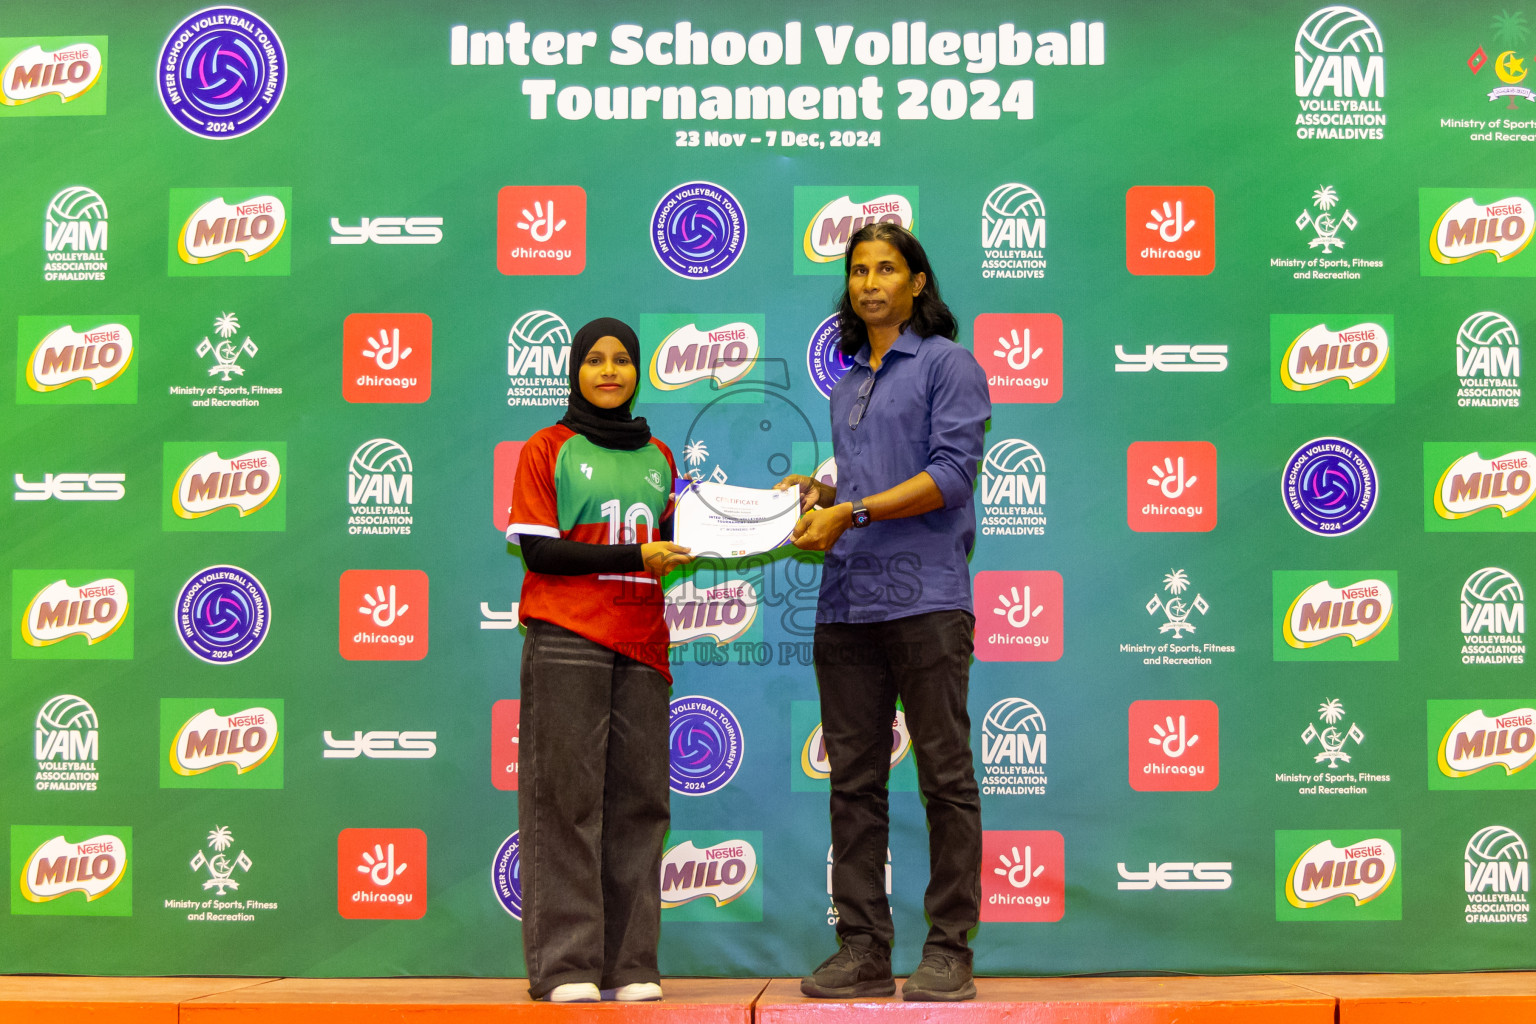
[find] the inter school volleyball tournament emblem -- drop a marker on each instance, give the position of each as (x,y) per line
(222,72)
(1329,486)
(704,739)
(507,875)
(223,614)
(824,357)
(698,230)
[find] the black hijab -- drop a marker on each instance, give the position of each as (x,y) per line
(611,428)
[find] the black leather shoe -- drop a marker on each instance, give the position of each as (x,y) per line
(940,978)
(852,971)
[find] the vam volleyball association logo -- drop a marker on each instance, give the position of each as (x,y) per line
(1013,490)
(222,72)
(1492,618)
(66,743)
(75,236)
(1013,233)
(538,360)
(1487,362)
(1341,76)
(1496,876)
(1329,486)
(70,69)
(705,743)
(698,230)
(380,489)
(1013,752)
(223,615)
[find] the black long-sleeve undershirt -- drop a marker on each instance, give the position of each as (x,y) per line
(557,556)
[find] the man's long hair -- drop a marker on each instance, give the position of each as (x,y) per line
(930,316)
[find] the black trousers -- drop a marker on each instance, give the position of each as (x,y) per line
(861,669)
(592,811)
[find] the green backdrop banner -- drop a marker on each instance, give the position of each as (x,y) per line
(290,286)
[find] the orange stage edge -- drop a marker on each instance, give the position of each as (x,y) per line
(1302,999)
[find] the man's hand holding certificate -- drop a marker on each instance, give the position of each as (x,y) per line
(724,521)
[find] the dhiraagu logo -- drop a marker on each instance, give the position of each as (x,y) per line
(75,871)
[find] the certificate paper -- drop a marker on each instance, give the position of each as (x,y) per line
(728,522)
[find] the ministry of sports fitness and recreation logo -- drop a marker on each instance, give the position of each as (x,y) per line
(698,230)
(1338,875)
(1013,233)
(1509,68)
(1487,362)
(71,68)
(1468,492)
(1492,618)
(223,615)
(1334,737)
(1321,621)
(226,353)
(71,871)
(61,619)
(381,873)
(1170,486)
(1179,618)
(538,360)
(1013,751)
(384,614)
(76,360)
(1331,358)
(379,489)
(1341,76)
(75,236)
(692,356)
(1480,232)
(1170,229)
(1019,615)
(827,216)
(705,744)
(507,876)
(220,865)
(1023,876)
(824,358)
(221,72)
(1175,745)
(1021,354)
(711,876)
(1332,772)
(207,491)
(541,229)
(66,744)
(1496,876)
(224,744)
(1013,490)
(1329,486)
(386,357)
(229,232)
(1481,744)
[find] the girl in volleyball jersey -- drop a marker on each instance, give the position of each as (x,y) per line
(591,509)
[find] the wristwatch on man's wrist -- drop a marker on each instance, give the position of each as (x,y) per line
(861,516)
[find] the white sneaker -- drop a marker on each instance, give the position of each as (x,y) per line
(576,992)
(634,992)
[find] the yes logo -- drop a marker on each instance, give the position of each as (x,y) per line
(383,614)
(1174,745)
(1019,615)
(1317,617)
(80,621)
(222,745)
(710,876)
(214,236)
(386,357)
(1170,229)
(1023,876)
(1316,363)
(1466,484)
(381,873)
(1021,354)
(1338,876)
(76,360)
(1467,238)
(541,229)
(1481,744)
(208,492)
(1170,486)
(69,68)
(69,871)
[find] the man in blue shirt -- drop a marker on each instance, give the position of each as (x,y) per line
(894,617)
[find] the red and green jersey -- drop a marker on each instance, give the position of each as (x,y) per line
(570,488)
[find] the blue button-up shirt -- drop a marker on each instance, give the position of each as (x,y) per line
(927,411)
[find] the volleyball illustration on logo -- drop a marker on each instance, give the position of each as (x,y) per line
(1013,456)
(539,327)
(1492,584)
(705,743)
(223,615)
(1329,486)
(698,230)
(1013,200)
(381,455)
(1496,842)
(1337,29)
(222,72)
(1012,715)
(1487,329)
(76,203)
(66,711)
